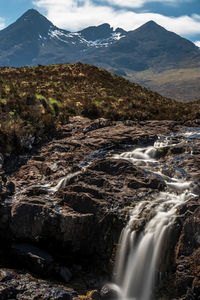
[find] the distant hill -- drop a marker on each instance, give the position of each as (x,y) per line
(145,55)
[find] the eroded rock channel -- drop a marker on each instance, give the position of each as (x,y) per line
(65,203)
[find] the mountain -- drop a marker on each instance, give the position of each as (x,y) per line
(139,55)
(33,40)
(102,33)
(150,46)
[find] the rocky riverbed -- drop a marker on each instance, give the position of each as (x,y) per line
(65,202)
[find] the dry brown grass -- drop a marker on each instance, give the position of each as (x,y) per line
(34,100)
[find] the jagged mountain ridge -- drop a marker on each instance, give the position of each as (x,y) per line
(147,47)
(139,55)
(33,39)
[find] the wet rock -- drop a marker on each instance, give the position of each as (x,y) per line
(115,167)
(36,222)
(35,191)
(5,212)
(27,142)
(1,160)
(185,274)
(7,292)
(64,273)
(81,223)
(190,239)
(100,123)
(15,285)
(110,292)
(152,183)
(38,261)
(10,188)
(156,184)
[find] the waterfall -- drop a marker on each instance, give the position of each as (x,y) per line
(64,181)
(141,251)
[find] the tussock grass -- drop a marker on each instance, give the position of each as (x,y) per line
(35,100)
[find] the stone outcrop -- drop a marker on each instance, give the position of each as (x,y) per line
(22,286)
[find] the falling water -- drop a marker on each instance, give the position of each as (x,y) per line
(64,181)
(140,252)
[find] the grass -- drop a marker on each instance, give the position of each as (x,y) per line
(35,100)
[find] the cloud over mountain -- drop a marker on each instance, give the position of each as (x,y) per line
(75,15)
(141,3)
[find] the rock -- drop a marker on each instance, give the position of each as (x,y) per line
(65,273)
(156,184)
(100,123)
(7,292)
(80,223)
(10,187)
(31,257)
(36,191)
(115,167)
(5,212)
(1,160)
(15,285)
(110,292)
(27,142)
(36,222)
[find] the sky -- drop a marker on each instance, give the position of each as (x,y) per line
(179,16)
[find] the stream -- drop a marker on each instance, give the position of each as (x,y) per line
(144,241)
(141,252)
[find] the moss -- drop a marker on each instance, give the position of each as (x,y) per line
(40,97)
(54,103)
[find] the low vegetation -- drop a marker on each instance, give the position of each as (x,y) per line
(35,100)
(181,84)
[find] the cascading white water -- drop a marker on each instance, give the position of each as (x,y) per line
(64,181)
(140,253)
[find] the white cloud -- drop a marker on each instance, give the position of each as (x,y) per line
(77,14)
(2,24)
(197,43)
(141,3)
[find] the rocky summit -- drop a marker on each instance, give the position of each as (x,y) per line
(64,204)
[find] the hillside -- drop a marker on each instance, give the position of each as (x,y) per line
(35,100)
(181,84)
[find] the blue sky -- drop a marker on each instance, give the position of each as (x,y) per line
(180,16)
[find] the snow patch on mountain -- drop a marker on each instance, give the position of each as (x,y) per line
(197,43)
(105,42)
(60,35)
(76,38)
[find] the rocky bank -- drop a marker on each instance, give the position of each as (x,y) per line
(64,203)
